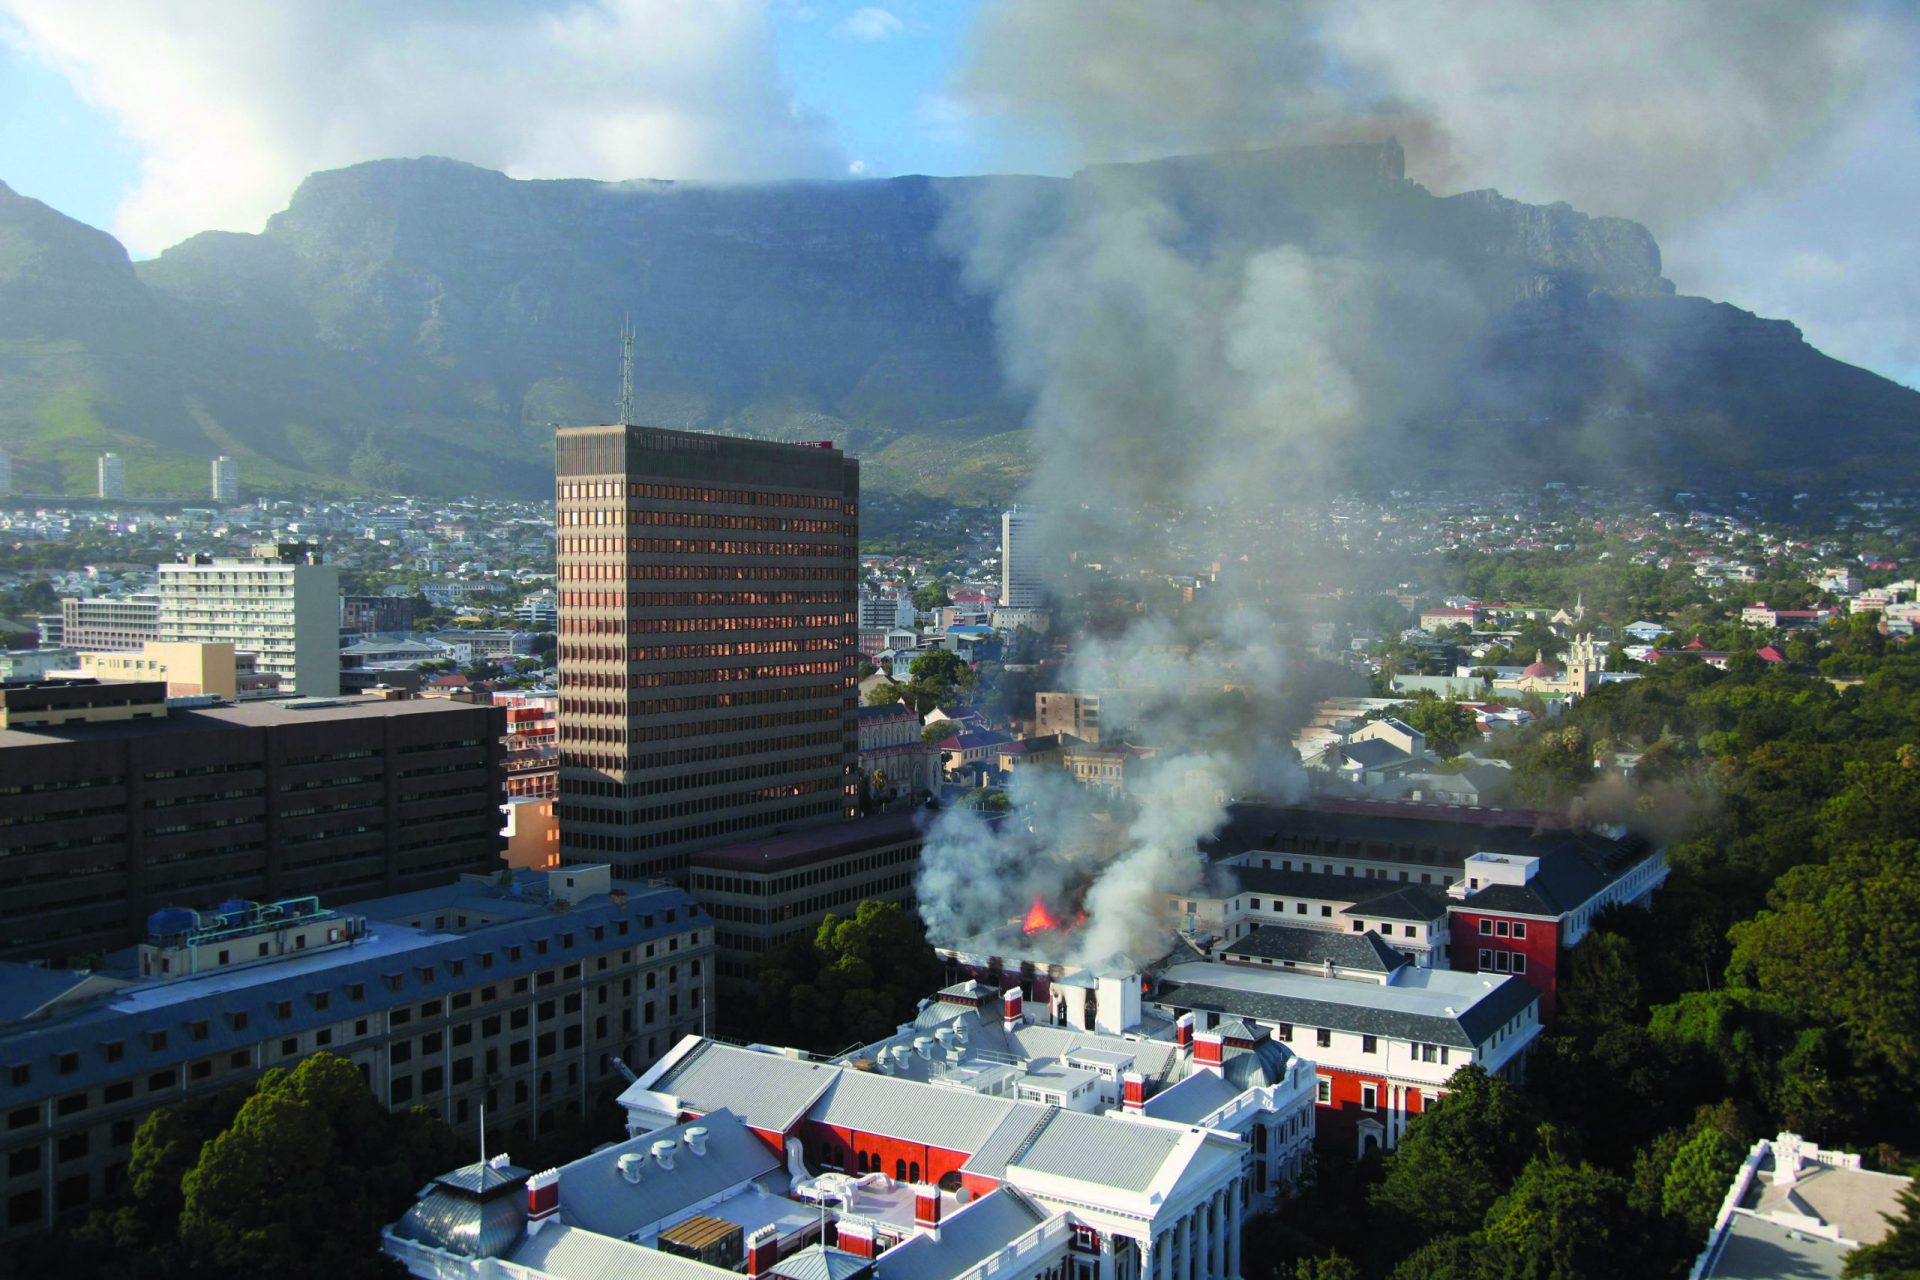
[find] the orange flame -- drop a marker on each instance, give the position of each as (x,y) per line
(1039,919)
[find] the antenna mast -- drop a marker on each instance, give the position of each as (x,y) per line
(626,371)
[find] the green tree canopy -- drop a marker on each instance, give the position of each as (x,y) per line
(853,981)
(1454,1160)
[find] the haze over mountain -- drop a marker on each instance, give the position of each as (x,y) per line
(423,325)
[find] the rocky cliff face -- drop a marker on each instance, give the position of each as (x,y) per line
(425,323)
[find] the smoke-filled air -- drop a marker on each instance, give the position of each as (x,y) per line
(1183,359)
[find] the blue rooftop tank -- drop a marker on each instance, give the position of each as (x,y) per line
(170,920)
(235,907)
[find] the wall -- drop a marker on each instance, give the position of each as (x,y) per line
(1541,947)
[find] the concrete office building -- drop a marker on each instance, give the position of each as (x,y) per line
(118,806)
(226,479)
(280,603)
(706,642)
(6,472)
(187,670)
(1022,585)
(456,997)
(112,476)
(107,624)
(762,892)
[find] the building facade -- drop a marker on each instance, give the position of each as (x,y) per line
(111,478)
(280,603)
(762,892)
(226,480)
(112,820)
(708,588)
(188,670)
(103,624)
(1022,584)
(453,998)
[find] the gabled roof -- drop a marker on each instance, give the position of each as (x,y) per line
(1419,903)
(768,1091)
(1371,753)
(951,1119)
(1110,1152)
(594,1195)
(1362,952)
(967,1238)
(983,739)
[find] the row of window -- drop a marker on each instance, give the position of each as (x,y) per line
(1502,961)
(578,489)
(671,652)
(704,622)
(1502,929)
(597,843)
(687,573)
(686,547)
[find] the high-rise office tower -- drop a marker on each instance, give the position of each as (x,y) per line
(113,476)
(280,603)
(226,479)
(708,589)
(1021,583)
(6,472)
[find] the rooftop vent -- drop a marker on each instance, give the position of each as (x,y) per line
(630,1165)
(663,1153)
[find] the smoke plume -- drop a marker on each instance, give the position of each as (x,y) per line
(1220,335)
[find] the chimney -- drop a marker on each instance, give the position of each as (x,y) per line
(663,1153)
(543,1199)
(1207,1049)
(697,1140)
(926,1206)
(1013,1016)
(856,1237)
(763,1250)
(1183,1033)
(1133,1090)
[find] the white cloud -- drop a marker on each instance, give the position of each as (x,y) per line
(233,102)
(871,23)
(857,169)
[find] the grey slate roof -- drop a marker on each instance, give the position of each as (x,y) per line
(1326,885)
(1193,1099)
(593,1195)
(1369,753)
(1420,903)
(766,1090)
(1113,1153)
(1400,1011)
(26,988)
(820,1262)
(1021,1123)
(952,1119)
(1366,952)
(967,1238)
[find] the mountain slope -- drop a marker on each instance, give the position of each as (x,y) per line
(424,323)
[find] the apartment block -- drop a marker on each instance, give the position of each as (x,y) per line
(106,624)
(707,591)
(281,603)
(523,1000)
(104,822)
(225,485)
(1022,583)
(112,476)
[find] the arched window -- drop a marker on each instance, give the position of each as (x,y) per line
(900,1170)
(913,1172)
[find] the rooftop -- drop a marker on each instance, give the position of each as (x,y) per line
(265,714)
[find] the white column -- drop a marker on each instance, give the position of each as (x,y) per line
(1183,1244)
(1160,1251)
(1203,1241)
(1233,1231)
(1218,1259)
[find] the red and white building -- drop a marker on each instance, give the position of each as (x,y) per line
(972,1143)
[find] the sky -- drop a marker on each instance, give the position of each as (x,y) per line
(1773,147)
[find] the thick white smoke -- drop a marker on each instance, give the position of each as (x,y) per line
(1180,355)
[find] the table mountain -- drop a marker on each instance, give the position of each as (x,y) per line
(423,324)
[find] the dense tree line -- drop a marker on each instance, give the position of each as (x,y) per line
(1772,986)
(852,981)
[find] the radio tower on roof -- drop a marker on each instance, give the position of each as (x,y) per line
(626,371)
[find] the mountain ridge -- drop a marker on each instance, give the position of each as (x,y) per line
(424,323)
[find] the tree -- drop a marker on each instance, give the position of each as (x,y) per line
(301,1181)
(885,694)
(853,981)
(1454,1160)
(1446,724)
(1897,1257)
(1564,1221)
(1698,1179)
(931,596)
(939,731)
(1333,1266)
(1603,982)
(1837,944)
(938,679)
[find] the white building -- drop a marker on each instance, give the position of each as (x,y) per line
(113,476)
(1022,585)
(1795,1209)
(280,603)
(226,479)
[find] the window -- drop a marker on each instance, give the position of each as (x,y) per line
(200,1029)
(1369,1097)
(1326,911)
(1519,963)
(1369,1044)
(1519,928)
(72,1104)
(22,1076)
(69,1063)
(1253,903)
(1299,908)
(1501,929)
(1323,1091)
(1486,928)
(1486,957)
(1502,961)
(1323,1037)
